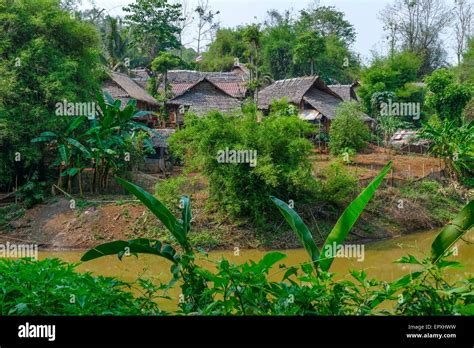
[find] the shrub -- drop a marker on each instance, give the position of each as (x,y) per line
(348,130)
(338,185)
(51,286)
(282,165)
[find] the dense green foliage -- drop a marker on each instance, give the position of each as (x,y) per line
(53,287)
(247,290)
(455,145)
(465,70)
(317,42)
(348,130)
(281,166)
(46,56)
(446,97)
(109,142)
(153,24)
(390,78)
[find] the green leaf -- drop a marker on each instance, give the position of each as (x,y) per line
(74,124)
(269,260)
(452,232)
(139,114)
(186,213)
(467,309)
(158,209)
(109,99)
(394,287)
(41,139)
(299,227)
(349,218)
(410,259)
(63,154)
(136,246)
(79,146)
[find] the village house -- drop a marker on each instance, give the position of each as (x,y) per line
(346,92)
(201,92)
(122,87)
(201,97)
(315,101)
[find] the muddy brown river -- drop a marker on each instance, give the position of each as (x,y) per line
(376,260)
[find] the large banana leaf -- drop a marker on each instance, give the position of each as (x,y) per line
(349,218)
(186,213)
(158,209)
(299,227)
(45,136)
(78,145)
(451,233)
(74,124)
(135,246)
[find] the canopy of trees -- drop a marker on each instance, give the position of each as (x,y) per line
(46,56)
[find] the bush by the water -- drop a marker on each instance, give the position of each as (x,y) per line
(277,145)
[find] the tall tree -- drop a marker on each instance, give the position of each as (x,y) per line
(161,64)
(463,12)
(184,23)
(117,45)
(153,24)
(420,24)
(253,38)
(206,22)
(46,56)
(309,46)
(327,21)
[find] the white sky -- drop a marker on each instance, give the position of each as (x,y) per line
(363,14)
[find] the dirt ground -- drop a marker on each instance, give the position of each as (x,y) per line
(367,165)
(56,226)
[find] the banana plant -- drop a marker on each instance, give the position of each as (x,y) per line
(194,283)
(68,147)
(179,228)
(451,233)
(340,230)
(440,248)
(108,133)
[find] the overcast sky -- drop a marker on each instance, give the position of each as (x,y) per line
(363,14)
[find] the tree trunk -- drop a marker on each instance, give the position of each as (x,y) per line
(79,177)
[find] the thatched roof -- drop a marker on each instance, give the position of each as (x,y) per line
(241,69)
(310,89)
(346,92)
(233,83)
(121,86)
(204,96)
(325,103)
(141,76)
(292,89)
